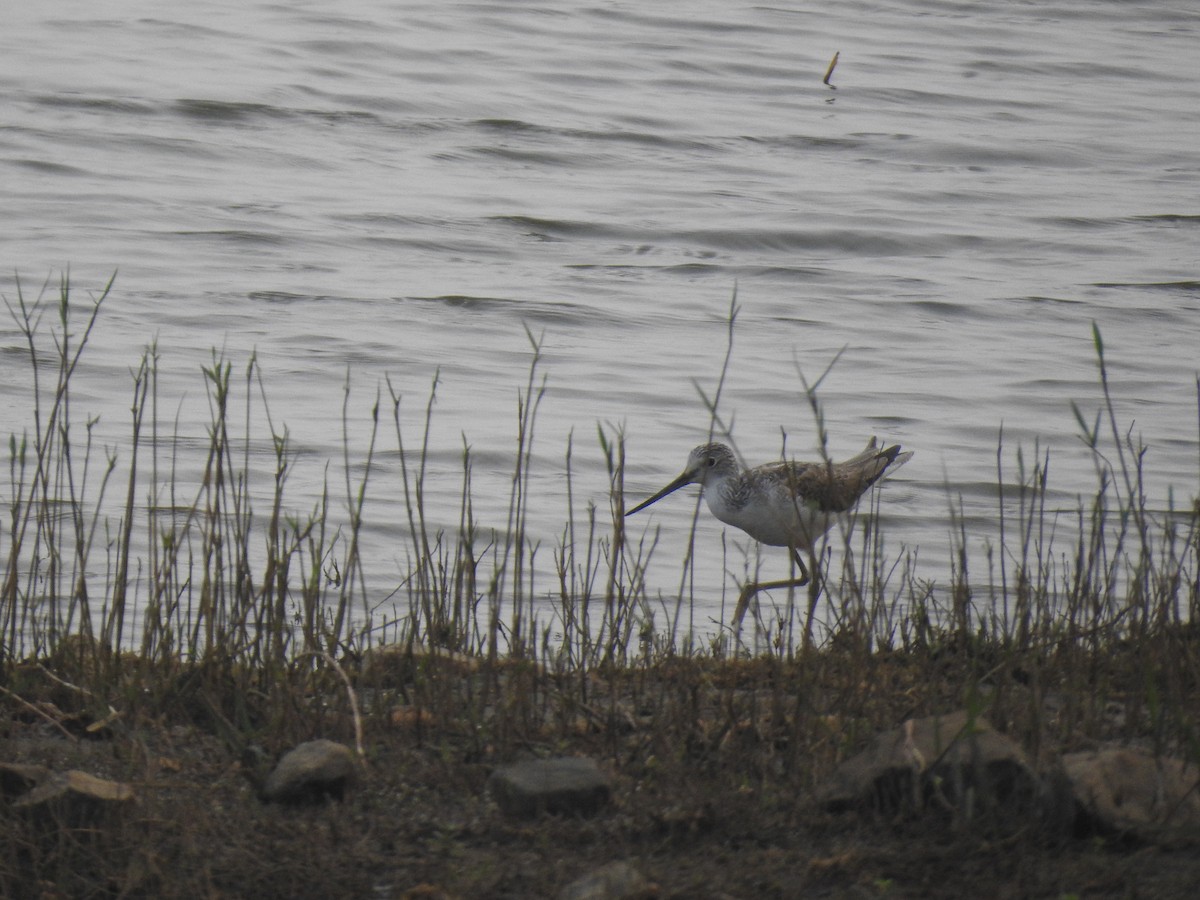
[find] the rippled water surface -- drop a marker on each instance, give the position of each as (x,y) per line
(366,191)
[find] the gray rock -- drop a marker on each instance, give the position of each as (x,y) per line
(309,772)
(1120,789)
(569,785)
(955,761)
(73,799)
(615,881)
(77,785)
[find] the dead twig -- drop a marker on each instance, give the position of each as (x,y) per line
(40,712)
(358,727)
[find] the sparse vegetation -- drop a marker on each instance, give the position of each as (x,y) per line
(170,628)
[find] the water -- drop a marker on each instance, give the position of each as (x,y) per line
(375,190)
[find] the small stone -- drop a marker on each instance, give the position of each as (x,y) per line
(567,785)
(309,772)
(615,881)
(426,892)
(75,798)
(1120,789)
(933,758)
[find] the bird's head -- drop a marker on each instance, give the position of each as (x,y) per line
(705,464)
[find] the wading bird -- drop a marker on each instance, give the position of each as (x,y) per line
(781,504)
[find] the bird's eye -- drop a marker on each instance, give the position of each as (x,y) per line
(712,461)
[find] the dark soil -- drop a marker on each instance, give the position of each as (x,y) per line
(699,808)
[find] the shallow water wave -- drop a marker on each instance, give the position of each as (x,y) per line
(380,193)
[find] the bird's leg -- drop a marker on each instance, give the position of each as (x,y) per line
(800,565)
(755,586)
(814,592)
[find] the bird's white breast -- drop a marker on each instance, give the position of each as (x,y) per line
(766,511)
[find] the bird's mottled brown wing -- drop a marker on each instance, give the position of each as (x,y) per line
(835,487)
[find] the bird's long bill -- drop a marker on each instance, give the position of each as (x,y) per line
(675,485)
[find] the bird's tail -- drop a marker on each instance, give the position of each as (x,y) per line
(877,463)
